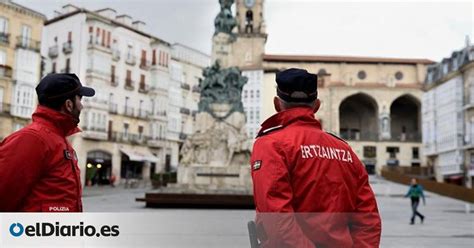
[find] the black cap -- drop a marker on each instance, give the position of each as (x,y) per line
(297,85)
(61,86)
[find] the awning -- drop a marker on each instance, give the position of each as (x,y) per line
(141,156)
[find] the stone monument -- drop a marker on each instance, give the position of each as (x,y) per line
(215,159)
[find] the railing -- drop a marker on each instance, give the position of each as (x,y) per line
(143,114)
(161,113)
(115,54)
(6,71)
(95,129)
(95,44)
(67,47)
(114,81)
(129,84)
(5,108)
(128,111)
(113,108)
(128,138)
(185,111)
(196,89)
(145,64)
(131,59)
(27,43)
(185,86)
(5,38)
(356,135)
(53,51)
(374,136)
(144,88)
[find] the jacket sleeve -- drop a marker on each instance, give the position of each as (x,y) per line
(273,195)
(21,158)
(365,225)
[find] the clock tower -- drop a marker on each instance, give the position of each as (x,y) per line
(248,49)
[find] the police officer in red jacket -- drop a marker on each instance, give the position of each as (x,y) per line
(38,166)
(310,189)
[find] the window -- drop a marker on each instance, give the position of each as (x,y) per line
(153,58)
(125,130)
(69,37)
(143,59)
(370,151)
(362,75)
(399,75)
(140,132)
(257,92)
(112,74)
(3,25)
(104,33)
(142,82)
(128,80)
(53,67)
(3,58)
(393,150)
(68,61)
(415,153)
(25,35)
(108,39)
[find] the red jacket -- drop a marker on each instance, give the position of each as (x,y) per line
(310,189)
(38,167)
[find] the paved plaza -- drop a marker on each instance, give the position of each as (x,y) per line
(446,225)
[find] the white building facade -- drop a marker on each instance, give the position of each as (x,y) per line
(131,127)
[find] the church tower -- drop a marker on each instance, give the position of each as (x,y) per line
(248,49)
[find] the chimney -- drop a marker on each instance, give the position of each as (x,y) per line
(68,8)
(138,25)
(124,19)
(107,12)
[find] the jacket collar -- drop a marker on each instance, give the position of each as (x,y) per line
(286,117)
(58,122)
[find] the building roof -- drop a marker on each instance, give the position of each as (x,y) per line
(112,21)
(26,9)
(342,59)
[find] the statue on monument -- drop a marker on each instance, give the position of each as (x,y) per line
(225,22)
(220,139)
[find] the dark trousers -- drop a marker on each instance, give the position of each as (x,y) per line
(415,201)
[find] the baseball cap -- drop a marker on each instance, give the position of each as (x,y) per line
(55,87)
(297,85)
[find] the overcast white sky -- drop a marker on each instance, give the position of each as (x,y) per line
(309,27)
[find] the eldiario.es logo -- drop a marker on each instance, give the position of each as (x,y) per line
(46,229)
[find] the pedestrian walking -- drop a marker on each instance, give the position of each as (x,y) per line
(38,166)
(415,192)
(310,189)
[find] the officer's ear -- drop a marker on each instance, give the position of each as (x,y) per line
(317,104)
(69,105)
(277,104)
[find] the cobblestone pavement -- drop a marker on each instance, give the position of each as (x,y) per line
(447,222)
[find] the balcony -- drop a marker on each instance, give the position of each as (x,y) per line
(53,51)
(136,139)
(185,86)
(67,47)
(94,133)
(356,135)
(196,89)
(115,54)
(156,142)
(4,108)
(131,59)
(26,43)
(145,64)
(5,39)
(113,108)
(185,111)
(114,81)
(143,114)
(6,71)
(183,136)
(129,84)
(144,88)
(407,137)
(96,45)
(128,111)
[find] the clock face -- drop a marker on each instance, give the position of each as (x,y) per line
(249,3)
